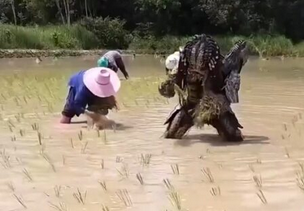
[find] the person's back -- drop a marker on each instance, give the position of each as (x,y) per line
(112,56)
(115,62)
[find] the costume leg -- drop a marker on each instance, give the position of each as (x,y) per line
(227,126)
(179,122)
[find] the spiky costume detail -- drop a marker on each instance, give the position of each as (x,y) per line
(203,81)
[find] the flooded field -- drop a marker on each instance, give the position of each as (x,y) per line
(48,166)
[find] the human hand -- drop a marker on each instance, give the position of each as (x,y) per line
(126,77)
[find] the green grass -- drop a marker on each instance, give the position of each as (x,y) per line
(258,45)
(48,37)
(78,37)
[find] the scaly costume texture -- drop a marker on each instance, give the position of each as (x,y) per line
(207,83)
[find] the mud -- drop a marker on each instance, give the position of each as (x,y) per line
(49,166)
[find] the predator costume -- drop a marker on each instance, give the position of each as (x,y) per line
(207,83)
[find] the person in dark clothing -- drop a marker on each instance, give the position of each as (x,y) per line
(115,62)
(91,90)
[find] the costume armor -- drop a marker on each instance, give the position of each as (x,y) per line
(207,83)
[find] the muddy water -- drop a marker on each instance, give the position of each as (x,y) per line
(44,164)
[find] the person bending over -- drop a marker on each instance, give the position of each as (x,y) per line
(115,62)
(91,90)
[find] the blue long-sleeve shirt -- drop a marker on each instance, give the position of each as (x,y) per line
(80,96)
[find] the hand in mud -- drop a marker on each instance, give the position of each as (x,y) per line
(94,116)
(99,121)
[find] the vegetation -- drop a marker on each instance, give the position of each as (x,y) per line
(271,26)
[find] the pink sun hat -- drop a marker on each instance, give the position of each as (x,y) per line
(101,81)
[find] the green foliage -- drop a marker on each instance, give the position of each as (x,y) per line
(151,44)
(49,37)
(109,32)
(259,45)
(163,17)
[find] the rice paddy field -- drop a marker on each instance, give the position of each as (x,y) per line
(53,167)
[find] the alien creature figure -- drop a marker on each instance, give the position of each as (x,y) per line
(207,83)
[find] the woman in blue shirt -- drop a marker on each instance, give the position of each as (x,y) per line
(92,89)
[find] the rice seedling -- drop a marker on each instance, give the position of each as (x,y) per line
(60,207)
(301,167)
(216,191)
(168,184)
(3,96)
(6,159)
(84,147)
(98,133)
(17,118)
(80,135)
(173,195)
(57,190)
(287,152)
(300,176)
(72,143)
(63,160)
(105,208)
(35,126)
(201,157)
(140,179)
(103,185)
(124,196)
(10,128)
(258,181)
(251,167)
(25,100)
(17,102)
(11,186)
(102,164)
(48,159)
(118,159)
(175,200)
(105,137)
(207,173)
(39,138)
(124,172)
(259,161)
(285,127)
(10,122)
(114,127)
(80,197)
(22,132)
(19,160)
(20,200)
(13,139)
(262,197)
(145,159)
(175,169)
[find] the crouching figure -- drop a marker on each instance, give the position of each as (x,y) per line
(206,83)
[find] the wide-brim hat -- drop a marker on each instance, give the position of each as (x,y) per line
(101,81)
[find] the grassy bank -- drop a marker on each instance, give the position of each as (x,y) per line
(258,45)
(78,37)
